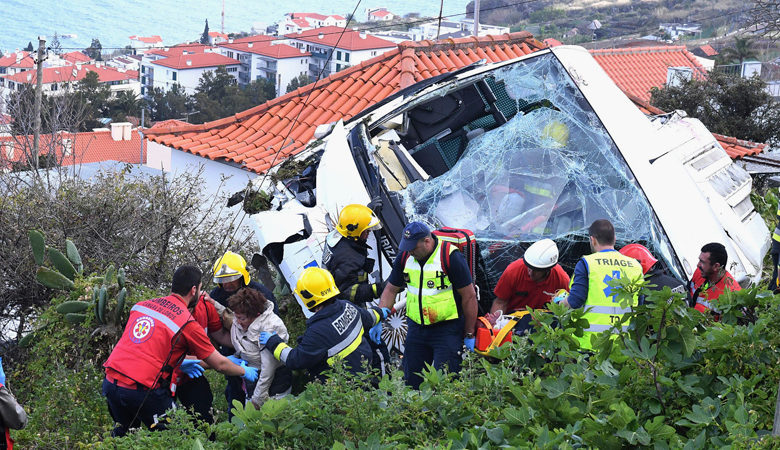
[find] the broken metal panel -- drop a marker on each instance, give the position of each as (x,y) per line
(549,172)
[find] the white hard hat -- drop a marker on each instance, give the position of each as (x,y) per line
(541,254)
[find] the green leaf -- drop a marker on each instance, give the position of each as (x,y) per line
(73,255)
(741,415)
(53,279)
(197,445)
(640,436)
(555,387)
(688,340)
(61,263)
(496,435)
(38,246)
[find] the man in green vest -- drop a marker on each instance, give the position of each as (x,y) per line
(441,303)
(773,284)
(589,285)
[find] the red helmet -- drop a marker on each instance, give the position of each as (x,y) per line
(640,253)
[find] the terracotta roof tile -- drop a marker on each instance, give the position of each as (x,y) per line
(637,70)
(342,95)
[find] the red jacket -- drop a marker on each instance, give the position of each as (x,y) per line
(709,292)
(152,345)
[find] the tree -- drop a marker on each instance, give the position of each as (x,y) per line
(742,50)
(29,47)
(218,95)
(726,104)
(56,46)
(766,15)
(299,81)
(94,49)
(94,96)
(204,38)
(126,103)
(171,104)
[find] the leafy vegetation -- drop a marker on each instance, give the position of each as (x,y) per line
(675,379)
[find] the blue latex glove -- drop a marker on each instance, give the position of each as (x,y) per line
(385,313)
(236,360)
(469,343)
(2,372)
(375,333)
(192,368)
(250,373)
(264,336)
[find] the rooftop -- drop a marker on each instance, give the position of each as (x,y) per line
(147,39)
(17,59)
(74,57)
(263,47)
(637,70)
(196,60)
(253,137)
(179,49)
(65,74)
(337,37)
(315,16)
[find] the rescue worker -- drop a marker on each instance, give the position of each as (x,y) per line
(336,331)
(654,274)
(441,302)
(589,288)
(230,275)
(775,252)
(346,257)
(711,279)
(158,335)
(532,281)
(195,392)
(12,415)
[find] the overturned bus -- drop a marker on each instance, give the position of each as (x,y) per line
(540,146)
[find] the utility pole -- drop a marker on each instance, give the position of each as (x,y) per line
(476,18)
(38,101)
(223,18)
(141,134)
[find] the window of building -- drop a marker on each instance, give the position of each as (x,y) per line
(338,55)
(230,54)
(53,87)
(346,56)
(9,150)
(232,69)
(174,76)
(373,53)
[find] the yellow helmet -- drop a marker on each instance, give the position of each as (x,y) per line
(355,219)
(315,286)
(230,267)
(558,132)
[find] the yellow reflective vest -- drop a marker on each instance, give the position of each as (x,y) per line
(776,233)
(429,295)
(602,307)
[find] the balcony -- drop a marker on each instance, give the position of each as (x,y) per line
(320,55)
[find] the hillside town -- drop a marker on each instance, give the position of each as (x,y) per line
(396,231)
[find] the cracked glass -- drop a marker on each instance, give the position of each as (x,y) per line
(549,171)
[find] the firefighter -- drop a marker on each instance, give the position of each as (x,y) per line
(653,272)
(230,275)
(346,257)
(336,331)
(158,335)
(773,282)
(441,302)
(711,279)
(589,288)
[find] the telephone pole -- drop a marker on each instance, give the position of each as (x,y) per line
(222,30)
(38,101)
(476,18)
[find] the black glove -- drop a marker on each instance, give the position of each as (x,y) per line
(368,265)
(375,204)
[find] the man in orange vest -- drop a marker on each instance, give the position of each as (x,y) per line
(12,414)
(711,279)
(158,335)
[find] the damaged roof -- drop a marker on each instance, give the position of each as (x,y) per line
(252,138)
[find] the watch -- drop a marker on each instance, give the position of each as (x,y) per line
(469,335)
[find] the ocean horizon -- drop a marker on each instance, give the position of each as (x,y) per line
(114,22)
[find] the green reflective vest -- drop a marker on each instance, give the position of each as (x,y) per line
(602,307)
(776,233)
(429,295)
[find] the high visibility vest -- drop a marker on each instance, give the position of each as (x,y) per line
(429,295)
(144,351)
(776,233)
(602,307)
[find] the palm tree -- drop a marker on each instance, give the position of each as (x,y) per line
(126,103)
(741,50)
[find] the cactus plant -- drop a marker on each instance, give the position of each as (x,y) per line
(74,256)
(73,307)
(61,263)
(53,279)
(110,274)
(38,245)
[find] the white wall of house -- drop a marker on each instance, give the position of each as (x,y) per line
(165,77)
(287,69)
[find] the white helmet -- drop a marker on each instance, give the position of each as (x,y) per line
(541,254)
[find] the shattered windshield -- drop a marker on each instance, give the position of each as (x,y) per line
(549,171)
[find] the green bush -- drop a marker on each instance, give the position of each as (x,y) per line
(675,379)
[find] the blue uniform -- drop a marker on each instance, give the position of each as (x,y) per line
(337,331)
(438,344)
